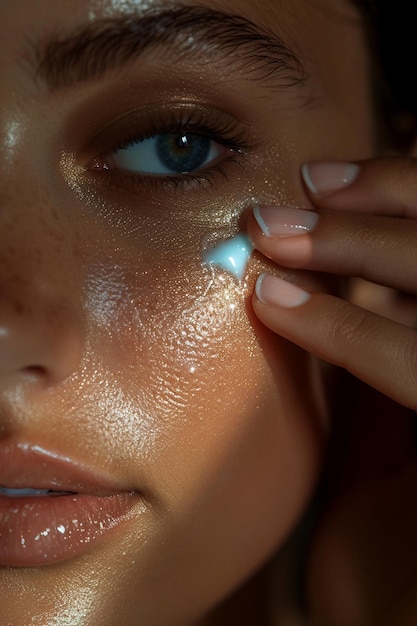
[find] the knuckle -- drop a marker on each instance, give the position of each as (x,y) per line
(352,326)
(347,330)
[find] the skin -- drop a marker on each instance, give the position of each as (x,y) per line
(224,438)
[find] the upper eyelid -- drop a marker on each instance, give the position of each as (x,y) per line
(205,132)
(148,122)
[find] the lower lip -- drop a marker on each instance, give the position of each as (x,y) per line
(41,530)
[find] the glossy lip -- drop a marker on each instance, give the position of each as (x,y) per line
(26,465)
(39,530)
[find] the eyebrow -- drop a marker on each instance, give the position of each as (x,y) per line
(113,43)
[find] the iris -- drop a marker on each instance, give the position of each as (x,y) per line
(183,152)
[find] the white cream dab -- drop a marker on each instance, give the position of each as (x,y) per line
(231,255)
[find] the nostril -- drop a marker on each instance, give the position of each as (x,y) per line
(35,371)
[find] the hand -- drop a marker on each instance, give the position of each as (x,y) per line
(365,226)
(363,562)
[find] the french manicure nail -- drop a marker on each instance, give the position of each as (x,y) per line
(326,178)
(284,221)
(273,290)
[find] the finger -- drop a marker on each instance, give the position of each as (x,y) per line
(378,249)
(386,186)
(380,352)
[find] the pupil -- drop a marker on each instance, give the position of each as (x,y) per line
(183,152)
(183,142)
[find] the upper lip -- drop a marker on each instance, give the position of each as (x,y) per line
(24,465)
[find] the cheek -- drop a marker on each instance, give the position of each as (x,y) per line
(212,394)
(233,430)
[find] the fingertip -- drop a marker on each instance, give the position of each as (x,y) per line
(272,290)
(325,178)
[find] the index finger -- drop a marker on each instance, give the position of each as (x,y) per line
(386,186)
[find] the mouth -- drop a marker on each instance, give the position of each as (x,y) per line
(53,509)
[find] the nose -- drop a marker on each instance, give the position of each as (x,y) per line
(40,320)
(40,310)
(39,338)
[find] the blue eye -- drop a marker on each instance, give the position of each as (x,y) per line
(167,154)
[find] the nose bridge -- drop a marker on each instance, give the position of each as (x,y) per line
(40,330)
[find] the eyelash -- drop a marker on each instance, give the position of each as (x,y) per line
(227,132)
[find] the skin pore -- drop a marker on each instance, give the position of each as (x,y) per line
(152,367)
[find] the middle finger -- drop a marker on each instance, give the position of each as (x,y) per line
(377,248)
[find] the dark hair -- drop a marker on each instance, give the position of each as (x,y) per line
(390,27)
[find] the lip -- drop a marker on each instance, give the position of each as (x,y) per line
(40,529)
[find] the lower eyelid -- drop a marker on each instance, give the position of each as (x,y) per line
(132,182)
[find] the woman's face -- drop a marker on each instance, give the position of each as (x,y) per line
(133,375)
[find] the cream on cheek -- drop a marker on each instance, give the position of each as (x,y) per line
(231,255)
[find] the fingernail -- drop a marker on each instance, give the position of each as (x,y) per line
(273,290)
(284,221)
(325,178)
